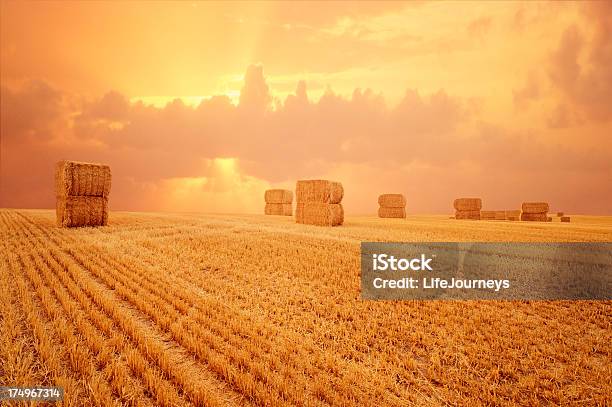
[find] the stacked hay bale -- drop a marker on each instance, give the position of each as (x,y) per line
(467,208)
(535,212)
(392,206)
(318,203)
(82,191)
(565,219)
(513,214)
(487,215)
(278,202)
(560,214)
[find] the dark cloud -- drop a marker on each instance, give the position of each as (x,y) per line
(148,147)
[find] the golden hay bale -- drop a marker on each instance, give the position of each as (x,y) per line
(74,211)
(284,209)
(565,218)
(559,214)
(535,207)
(513,213)
(487,215)
(319,213)
(472,215)
(512,218)
(321,191)
(278,196)
(549,219)
(392,201)
(384,212)
(468,204)
(534,217)
(74,178)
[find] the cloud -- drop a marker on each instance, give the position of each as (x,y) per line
(580,66)
(220,157)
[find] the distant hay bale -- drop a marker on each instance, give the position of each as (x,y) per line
(534,217)
(76,211)
(74,178)
(549,219)
(321,191)
(392,201)
(560,214)
(535,207)
(500,215)
(278,196)
(512,218)
(82,191)
(468,204)
(319,213)
(565,218)
(513,213)
(284,209)
(467,215)
(384,212)
(487,215)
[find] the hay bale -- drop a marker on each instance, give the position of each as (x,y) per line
(549,219)
(392,201)
(535,207)
(487,215)
(74,178)
(560,214)
(76,211)
(283,209)
(500,215)
(319,213)
(512,218)
(565,219)
(513,213)
(278,196)
(471,215)
(468,204)
(384,212)
(534,217)
(321,191)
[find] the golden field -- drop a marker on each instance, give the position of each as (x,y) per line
(193,309)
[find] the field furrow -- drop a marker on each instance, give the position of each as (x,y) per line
(187,309)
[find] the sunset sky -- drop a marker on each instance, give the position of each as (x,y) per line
(202,106)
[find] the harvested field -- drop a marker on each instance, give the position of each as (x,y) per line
(191,310)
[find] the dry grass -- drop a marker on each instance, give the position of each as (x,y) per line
(161,310)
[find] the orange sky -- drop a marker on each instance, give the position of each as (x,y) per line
(509,101)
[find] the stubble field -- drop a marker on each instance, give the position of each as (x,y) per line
(179,309)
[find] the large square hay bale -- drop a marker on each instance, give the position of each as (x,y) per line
(392,201)
(76,211)
(565,218)
(74,178)
(278,196)
(319,214)
(487,215)
(384,212)
(468,204)
(284,209)
(535,207)
(469,215)
(513,213)
(321,191)
(534,217)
